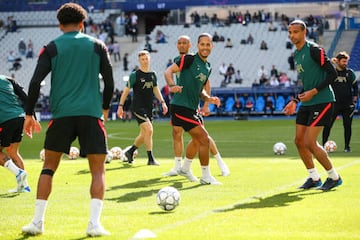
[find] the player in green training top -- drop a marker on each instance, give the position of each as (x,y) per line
(12,115)
(144,83)
(194,71)
(75,61)
(183,46)
(317,99)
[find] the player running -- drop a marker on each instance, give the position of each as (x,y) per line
(183,46)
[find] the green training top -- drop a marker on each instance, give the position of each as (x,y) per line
(10,107)
(193,76)
(312,73)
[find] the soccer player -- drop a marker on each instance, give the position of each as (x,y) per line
(183,46)
(78,107)
(316,72)
(144,83)
(11,126)
(346,94)
(194,71)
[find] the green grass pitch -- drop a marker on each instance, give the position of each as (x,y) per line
(259,200)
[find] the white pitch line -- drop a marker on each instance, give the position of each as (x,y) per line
(260,195)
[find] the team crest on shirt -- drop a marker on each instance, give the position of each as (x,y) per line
(202,77)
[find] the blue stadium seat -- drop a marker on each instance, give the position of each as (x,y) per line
(259,104)
(280,103)
(229,105)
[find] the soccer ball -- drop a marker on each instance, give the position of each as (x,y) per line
(168,198)
(124,158)
(330,146)
(279,148)
(109,157)
(73,154)
(116,152)
(42,155)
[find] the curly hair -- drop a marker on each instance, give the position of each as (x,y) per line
(71,13)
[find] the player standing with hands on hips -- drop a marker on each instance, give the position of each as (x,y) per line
(346,93)
(194,71)
(78,108)
(317,73)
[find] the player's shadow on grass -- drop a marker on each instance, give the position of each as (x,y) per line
(154,182)
(9,195)
(277,200)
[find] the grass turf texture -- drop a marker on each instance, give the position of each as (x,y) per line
(259,200)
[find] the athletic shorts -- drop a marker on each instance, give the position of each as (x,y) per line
(11,131)
(90,132)
(185,117)
(315,115)
(143,115)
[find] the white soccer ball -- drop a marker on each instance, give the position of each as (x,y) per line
(73,154)
(124,158)
(330,146)
(42,155)
(279,148)
(168,198)
(109,157)
(116,152)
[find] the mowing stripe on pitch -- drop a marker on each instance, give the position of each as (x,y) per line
(246,200)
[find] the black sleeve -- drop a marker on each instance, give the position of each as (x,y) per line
(319,56)
(42,69)
(19,90)
(185,61)
(106,73)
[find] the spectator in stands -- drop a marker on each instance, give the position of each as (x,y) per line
(274,71)
(238,105)
(229,73)
(116,51)
(250,39)
(120,22)
(238,77)
(269,106)
(288,43)
(160,37)
(273,81)
(103,35)
(255,84)
(263,45)
(249,105)
(148,47)
(126,62)
(169,63)
(16,65)
(30,49)
(195,17)
(216,37)
(272,27)
(263,73)
(291,62)
(22,47)
(228,43)
(284,81)
(222,71)
(12,57)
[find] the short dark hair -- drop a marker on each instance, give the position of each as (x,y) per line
(71,13)
(342,55)
(204,35)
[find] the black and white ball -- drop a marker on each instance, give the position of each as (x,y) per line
(168,198)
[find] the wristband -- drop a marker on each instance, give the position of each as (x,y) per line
(120,105)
